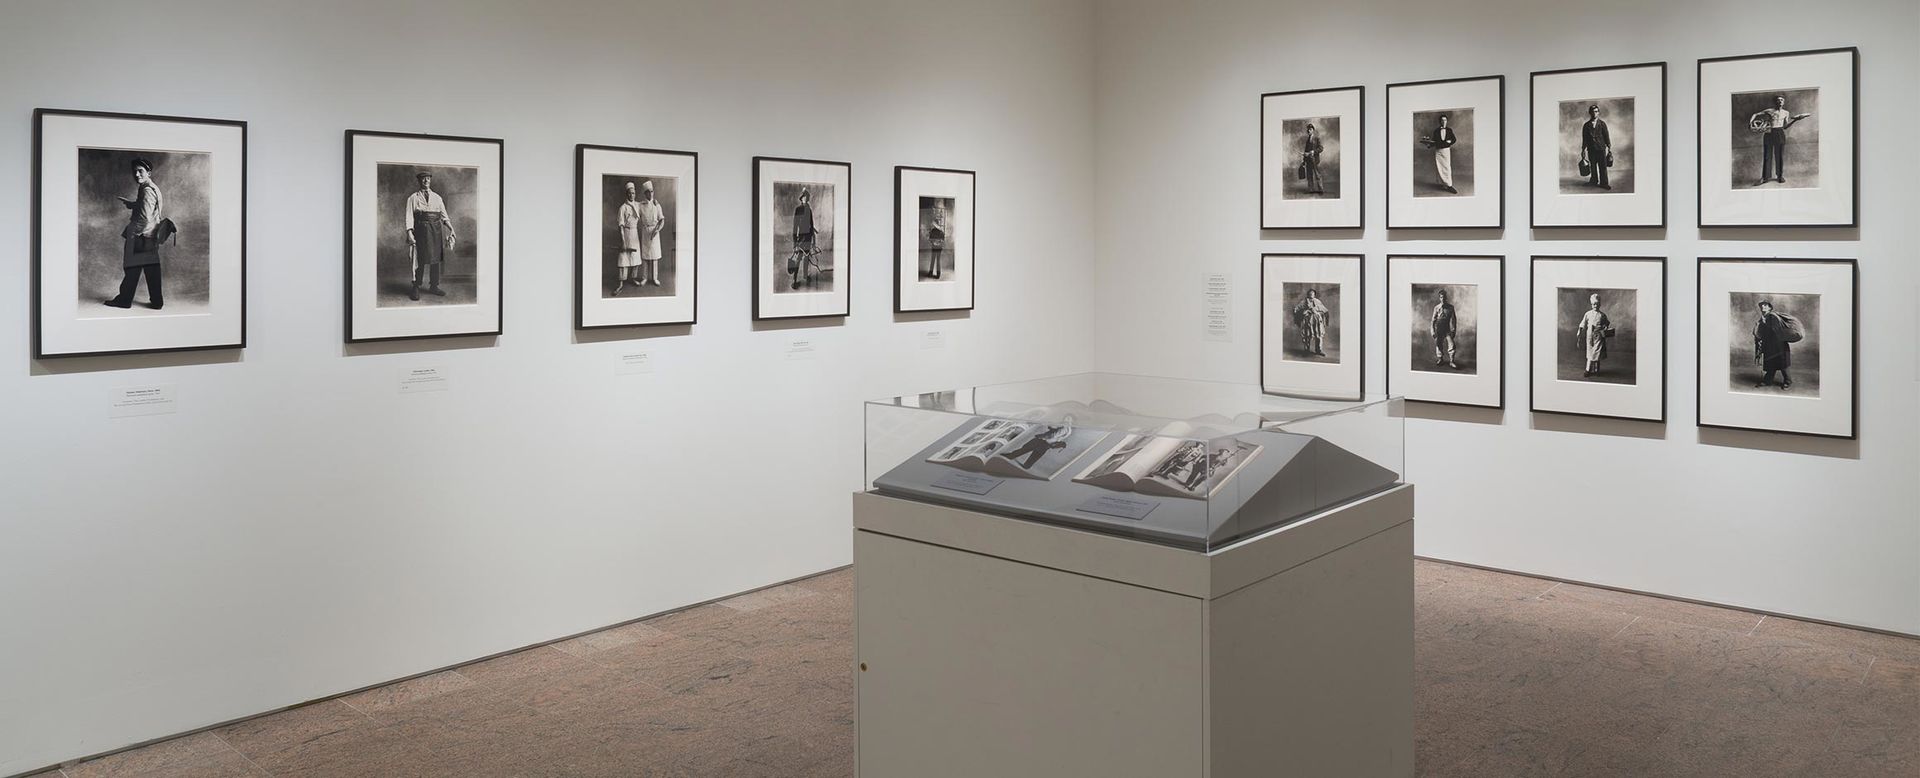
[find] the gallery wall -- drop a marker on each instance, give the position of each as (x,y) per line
(1817,528)
(298,527)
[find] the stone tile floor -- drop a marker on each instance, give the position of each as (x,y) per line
(1515,676)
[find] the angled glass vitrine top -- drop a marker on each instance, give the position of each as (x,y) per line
(1193,464)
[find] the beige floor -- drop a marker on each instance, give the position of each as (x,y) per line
(1516,677)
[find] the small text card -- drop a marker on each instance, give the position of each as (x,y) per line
(802,350)
(151,400)
(1135,508)
(971,483)
(1217,304)
(933,340)
(633,363)
(423,379)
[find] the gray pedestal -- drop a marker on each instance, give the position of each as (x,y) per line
(997,646)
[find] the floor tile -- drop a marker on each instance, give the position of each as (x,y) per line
(838,583)
(277,732)
(1655,607)
(380,698)
(1853,640)
(519,664)
(153,759)
(607,639)
(768,597)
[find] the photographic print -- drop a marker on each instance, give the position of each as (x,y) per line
(1599,147)
(1311,159)
(1038,450)
(1311,310)
(1313,321)
(635,240)
(1777,345)
(1596,146)
(423,236)
(1445,321)
(933,239)
(801,215)
(1777,139)
(141,233)
(1599,336)
(1444,161)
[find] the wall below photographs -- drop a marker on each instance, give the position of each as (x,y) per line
(1815,528)
(301,528)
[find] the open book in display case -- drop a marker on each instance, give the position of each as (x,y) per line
(1190,464)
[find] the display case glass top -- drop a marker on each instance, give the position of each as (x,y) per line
(1194,464)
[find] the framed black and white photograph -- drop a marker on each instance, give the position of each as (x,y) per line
(139,233)
(423,236)
(1313,159)
(1446,144)
(933,248)
(1599,340)
(1599,147)
(1778,346)
(1778,137)
(635,236)
(1312,307)
(1446,326)
(802,211)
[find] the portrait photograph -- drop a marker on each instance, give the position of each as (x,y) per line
(636,236)
(1445,319)
(423,236)
(1777,139)
(1312,165)
(1313,322)
(933,239)
(1599,336)
(141,239)
(1596,146)
(1311,314)
(801,214)
(1444,159)
(1777,345)
(1599,147)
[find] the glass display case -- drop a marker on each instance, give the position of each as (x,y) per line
(1193,464)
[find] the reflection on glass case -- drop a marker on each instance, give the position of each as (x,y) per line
(1194,464)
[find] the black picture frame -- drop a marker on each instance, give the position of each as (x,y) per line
(579,239)
(1700,97)
(500,312)
(1666,155)
(35,236)
(1360,170)
(1853,400)
(1666,356)
(843,271)
(1501,261)
(1360,261)
(1500,221)
(973,247)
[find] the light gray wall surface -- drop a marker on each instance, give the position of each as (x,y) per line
(299,528)
(1816,528)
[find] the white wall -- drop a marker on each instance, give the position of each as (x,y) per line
(1821,529)
(299,528)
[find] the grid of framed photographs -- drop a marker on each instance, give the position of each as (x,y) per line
(1777,147)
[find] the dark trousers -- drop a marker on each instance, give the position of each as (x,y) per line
(132,280)
(1599,159)
(432,273)
(1773,156)
(1785,380)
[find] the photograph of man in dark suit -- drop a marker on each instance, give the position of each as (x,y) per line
(1596,148)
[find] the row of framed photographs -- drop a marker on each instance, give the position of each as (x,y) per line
(1777,338)
(126,202)
(1778,147)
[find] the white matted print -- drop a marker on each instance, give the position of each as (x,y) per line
(1446,327)
(1444,153)
(1312,309)
(1599,147)
(1313,159)
(142,233)
(423,236)
(1777,345)
(637,222)
(1777,139)
(802,238)
(933,248)
(1599,336)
